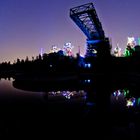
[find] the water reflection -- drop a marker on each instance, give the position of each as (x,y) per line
(43,85)
(67,94)
(102,94)
(97,103)
(128,96)
(131,102)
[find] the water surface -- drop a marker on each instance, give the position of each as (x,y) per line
(113,110)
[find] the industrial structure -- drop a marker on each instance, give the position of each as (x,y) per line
(87,20)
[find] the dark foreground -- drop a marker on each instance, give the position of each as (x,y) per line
(88,122)
(49,117)
(24,118)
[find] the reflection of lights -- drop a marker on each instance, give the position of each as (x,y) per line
(90,103)
(94,51)
(117,93)
(68,94)
(87,81)
(130,102)
(126,96)
(124,92)
(120,92)
(88,65)
(53,93)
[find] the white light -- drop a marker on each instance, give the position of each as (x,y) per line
(67,48)
(41,52)
(88,80)
(89,65)
(131,41)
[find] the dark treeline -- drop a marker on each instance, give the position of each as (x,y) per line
(53,63)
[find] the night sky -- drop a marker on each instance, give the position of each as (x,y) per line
(28,25)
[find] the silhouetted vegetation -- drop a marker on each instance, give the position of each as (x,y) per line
(55,65)
(48,64)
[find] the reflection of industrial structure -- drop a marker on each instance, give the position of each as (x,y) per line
(87,20)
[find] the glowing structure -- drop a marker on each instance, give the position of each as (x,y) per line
(117,51)
(54,49)
(41,52)
(67,49)
(131,43)
(128,51)
(87,20)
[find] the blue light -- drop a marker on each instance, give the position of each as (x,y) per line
(87,81)
(93,41)
(88,65)
(90,104)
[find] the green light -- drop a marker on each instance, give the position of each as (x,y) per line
(126,92)
(139,41)
(129,52)
(138,101)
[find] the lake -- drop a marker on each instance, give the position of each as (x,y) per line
(113,111)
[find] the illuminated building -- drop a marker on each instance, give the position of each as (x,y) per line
(131,42)
(54,49)
(67,48)
(117,51)
(130,46)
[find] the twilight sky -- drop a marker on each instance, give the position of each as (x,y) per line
(28,25)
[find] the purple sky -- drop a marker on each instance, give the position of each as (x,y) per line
(28,25)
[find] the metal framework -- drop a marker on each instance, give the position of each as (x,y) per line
(87,20)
